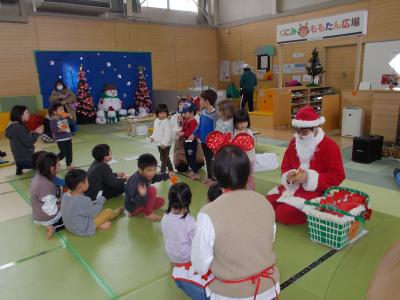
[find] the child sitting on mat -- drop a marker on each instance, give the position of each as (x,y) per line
(228,238)
(214,192)
(59,182)
(101,176)
(140,196)
(82,216)
(45,194)
(178,228)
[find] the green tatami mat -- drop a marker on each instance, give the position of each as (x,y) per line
(55,275)
(161,289)
(346,275)
(20,238)
(130,255)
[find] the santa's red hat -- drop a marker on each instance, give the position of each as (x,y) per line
(307,117)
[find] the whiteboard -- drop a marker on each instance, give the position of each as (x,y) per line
(376,62)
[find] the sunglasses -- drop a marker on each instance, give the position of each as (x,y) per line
(304,130)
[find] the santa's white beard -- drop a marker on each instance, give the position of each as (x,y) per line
(305,148)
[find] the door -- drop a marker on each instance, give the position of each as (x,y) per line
(340,66)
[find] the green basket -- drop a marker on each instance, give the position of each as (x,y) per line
(333,231)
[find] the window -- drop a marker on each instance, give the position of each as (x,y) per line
(155,3)
(185,5)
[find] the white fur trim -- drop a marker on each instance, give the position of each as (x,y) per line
(320,136)
(357,210)
(290,188)
(274,191)
(296,202)
(306,124)
(312,181)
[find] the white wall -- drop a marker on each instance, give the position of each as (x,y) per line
(376,62)
(238,10)
(168,16)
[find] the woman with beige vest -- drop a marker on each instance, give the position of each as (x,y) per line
(235,235)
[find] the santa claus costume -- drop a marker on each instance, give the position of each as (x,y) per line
(316,154)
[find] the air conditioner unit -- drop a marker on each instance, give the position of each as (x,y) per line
(87,7)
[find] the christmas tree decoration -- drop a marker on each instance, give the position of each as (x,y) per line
(85,112)
(142,95)
(314,68)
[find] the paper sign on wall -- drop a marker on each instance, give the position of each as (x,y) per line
(298,55)
(307,78)
(237,67)
(275,69)
(288,68)
(224,70)
(260,74)
(299,68)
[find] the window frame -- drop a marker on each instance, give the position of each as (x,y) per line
(169,7)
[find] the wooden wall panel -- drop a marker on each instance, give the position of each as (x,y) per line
(383,20)
(194,48)
(18,70)
(55,33)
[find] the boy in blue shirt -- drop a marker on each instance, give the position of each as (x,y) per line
(208,119)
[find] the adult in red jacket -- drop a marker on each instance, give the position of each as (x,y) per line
(312,163)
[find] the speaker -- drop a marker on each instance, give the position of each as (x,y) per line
(367,149)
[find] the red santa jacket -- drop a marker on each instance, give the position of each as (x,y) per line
(325,169)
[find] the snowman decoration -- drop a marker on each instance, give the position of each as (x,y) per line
(109,99)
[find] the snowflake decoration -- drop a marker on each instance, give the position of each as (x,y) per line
(124,95)
(124,56)
(144,68)
(98,53)
(52,62)
(128,83)
(81,58)
(115,70)
(59,76)
(119,76)
(88,71)
(129,66)
(102,72)
(108,64)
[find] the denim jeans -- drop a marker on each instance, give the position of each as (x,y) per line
(193,291)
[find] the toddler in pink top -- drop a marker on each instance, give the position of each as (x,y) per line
(178,228)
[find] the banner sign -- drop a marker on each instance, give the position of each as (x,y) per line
(352,23)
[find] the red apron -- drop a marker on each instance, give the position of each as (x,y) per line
(255,279)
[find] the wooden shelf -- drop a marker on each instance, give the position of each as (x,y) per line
(287,103)
(298,104)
